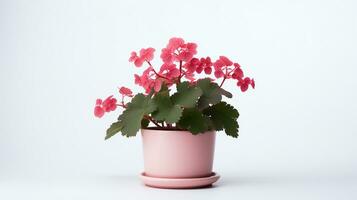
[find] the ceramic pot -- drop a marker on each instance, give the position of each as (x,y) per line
(177,154)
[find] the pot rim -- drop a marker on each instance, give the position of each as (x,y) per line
(161,130)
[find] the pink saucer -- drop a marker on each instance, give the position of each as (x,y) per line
(179,183)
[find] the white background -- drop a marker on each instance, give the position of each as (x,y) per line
(298,127)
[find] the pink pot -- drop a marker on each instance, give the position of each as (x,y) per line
(177,154)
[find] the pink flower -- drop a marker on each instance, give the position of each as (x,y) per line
(218,73)
(192,65)
(206,64)
(98,102)
(136,59)
(222,67)
(109,104)
(167,56)
(169,71)
(133,56)
(178,50)
(147,79)
(208,70)
(244,83)
(145,55)
(191,47)
(98,111)
(226,61)
(236,65)
(238,73)
(199,69)
(175,43)
(125,91)
(179,63)
(184,56)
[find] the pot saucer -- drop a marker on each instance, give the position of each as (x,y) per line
(179,183)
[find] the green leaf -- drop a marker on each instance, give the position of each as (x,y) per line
(193,120)
(225,93)
(132,117)
(224,116)
(211,93)
(186,95)
(166,111)
(113,129)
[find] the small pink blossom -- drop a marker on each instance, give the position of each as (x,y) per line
(175,43)
(184,56)
(236,65)
(192,65)
(206,64)
(238,73)
(147,79)
(226,61)
(145,55)
(208,70)
(125,91)
(98,102)
(178,50)
(169,71)
(109,104)
(167,56)
(133,56)
(244,83)
(98,111)
(218,73)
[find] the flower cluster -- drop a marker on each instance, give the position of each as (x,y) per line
(145,55)
(179,62)
(179,51)
(110,103)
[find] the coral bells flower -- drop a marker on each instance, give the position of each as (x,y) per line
(109,104)
(125,91)
(145,55)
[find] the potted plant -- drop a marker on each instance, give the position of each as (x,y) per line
(178,114)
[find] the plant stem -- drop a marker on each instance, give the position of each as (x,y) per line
(152,120)
(122,105)
(157,74)
(179,79)
(224,79)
